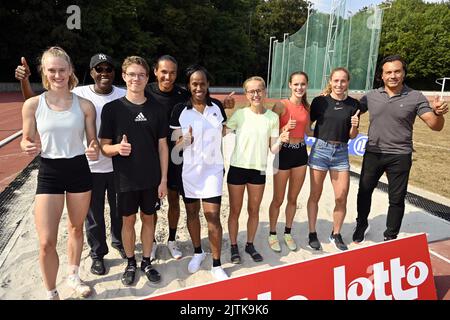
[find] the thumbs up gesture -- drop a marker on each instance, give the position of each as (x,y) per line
(124,147)
(92,151)
(229,102)
(440,107)
(31,148)
(188,139)
(355,119)
(291,124)
(22,71)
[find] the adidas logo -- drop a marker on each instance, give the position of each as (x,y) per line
(140,117)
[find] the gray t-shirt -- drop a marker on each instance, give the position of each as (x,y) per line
(392,119)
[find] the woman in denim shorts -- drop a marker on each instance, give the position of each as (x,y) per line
(336,117)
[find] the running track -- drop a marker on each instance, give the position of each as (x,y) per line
(13,161)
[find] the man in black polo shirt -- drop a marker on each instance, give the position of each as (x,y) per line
(392,109)
(133,132)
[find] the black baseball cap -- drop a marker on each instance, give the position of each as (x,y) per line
(99,58)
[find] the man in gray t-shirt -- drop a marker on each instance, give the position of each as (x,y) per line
(392,111)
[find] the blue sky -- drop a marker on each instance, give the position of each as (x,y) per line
(352,5)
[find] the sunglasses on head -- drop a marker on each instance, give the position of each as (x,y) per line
(99,69)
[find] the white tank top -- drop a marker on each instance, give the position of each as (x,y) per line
(61,132)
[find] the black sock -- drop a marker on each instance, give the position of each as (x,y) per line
(146,261)
(249,244)
(234,246)
(172,233)
(216,263)
(287,230)
(132,261)
(198,249)
(273,233)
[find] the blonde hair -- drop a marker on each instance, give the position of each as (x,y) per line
(57,52)
(328,89)
(135,60)
(254,78)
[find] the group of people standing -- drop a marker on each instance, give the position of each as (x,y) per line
(160,139)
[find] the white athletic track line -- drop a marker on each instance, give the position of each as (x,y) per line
(439,256)
(431,146)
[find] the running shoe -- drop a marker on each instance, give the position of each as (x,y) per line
(336,239)
(290,242)
(195,262)
(274,244)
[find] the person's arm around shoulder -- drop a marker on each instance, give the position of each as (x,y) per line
(435,120)
(91,131)
(28,143)
(22,74)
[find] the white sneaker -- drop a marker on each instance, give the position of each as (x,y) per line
(153,254)
(195,262)
(174,250)
(218,273)
(74,282)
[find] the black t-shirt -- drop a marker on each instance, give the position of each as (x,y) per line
(333,117)
(143,125)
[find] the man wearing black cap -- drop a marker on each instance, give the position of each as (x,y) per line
(101,92)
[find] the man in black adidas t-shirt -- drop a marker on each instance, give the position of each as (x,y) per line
(133,132)
(169,94)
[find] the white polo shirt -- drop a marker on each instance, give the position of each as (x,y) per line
(202,171)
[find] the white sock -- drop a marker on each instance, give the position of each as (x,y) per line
(52,293)
(73,270)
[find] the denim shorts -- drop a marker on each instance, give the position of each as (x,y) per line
(329,156)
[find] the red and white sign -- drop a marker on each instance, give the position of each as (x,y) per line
(393,270)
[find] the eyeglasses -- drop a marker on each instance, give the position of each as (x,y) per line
(99,69)
(257,91)
(140,76)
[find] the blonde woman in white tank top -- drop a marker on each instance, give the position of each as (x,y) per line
(58,78)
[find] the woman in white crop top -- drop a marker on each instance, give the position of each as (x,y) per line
(61,119)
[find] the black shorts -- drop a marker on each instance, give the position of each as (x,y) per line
(291,156)
(216,200)
(241,176)
(129,203)
(173,176)
(57,176)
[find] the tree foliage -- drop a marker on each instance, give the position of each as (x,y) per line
(420,32)
(230,38)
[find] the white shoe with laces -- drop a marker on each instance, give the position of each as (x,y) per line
(195,262)
(175,252)
(82,289)
(218,273)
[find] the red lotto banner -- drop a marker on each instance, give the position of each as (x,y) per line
(393,270)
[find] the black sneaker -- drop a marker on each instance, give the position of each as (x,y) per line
(152,274)
(360,232)
(98,266)
(250,249)
(129,275)
(338,242)
(314,242)
(235,256)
